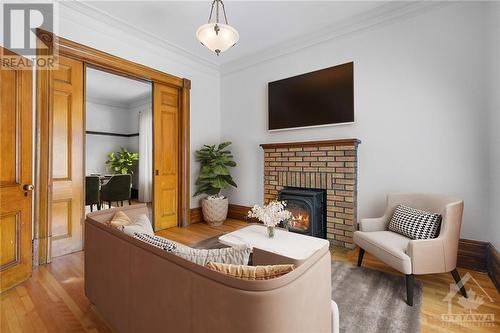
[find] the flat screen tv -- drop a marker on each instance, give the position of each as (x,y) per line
(323,97)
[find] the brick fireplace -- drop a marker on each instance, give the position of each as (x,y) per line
(330,165)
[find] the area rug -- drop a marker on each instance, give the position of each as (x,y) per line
(371,301)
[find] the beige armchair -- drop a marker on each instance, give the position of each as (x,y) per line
(413,257)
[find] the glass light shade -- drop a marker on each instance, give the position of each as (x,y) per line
(226,37)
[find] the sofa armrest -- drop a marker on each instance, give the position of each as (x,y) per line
(374,224)
(335,318)
(427,256)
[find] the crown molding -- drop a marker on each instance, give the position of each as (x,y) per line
(389,13)
(103,21)
(386,14)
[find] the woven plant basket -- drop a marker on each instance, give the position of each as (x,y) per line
(214,211)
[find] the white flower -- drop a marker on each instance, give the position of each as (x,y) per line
(271,214)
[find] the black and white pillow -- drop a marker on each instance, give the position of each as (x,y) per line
(415,223)
(159,242)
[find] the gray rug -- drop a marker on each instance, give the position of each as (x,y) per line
(373,302)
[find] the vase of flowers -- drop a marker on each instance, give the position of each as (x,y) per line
(271,215)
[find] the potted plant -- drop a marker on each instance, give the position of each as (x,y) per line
(214,176)
(122,161)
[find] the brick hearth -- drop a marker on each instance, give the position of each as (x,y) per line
(330,165)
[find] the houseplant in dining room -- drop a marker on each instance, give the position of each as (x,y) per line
(214,176)
(122,162)
(271,215)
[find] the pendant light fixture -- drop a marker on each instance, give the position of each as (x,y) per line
(216,36)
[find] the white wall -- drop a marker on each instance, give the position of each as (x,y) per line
(420,111)
(100,33)
(111,119)
(494,120)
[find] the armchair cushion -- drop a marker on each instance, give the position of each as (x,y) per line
(387,246)
(415,223)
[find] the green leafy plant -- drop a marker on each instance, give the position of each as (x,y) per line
(214,174)
(122,161)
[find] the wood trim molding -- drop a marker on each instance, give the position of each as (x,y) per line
(184,154)
(493,265)
(110,63)
(472,255)
(237,212)
(43,171)
(196,215)
(341,142)
(480,256)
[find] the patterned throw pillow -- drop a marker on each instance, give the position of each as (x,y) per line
(157,241)
(251,272)
(415,223)
(228,255)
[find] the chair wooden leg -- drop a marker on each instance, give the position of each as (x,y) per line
(129,202)
(458,281)
(109,204)
(122,203)
(410,280)
(360,256)
(91,207)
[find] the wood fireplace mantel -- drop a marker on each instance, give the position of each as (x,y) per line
(340,142)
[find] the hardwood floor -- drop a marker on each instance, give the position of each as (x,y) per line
(53,299)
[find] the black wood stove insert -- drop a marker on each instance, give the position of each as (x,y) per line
(308,208)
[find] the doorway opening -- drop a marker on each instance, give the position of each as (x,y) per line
(119,141)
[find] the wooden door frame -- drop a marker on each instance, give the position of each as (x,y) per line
(116,65)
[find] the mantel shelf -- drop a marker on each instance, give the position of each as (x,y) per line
(340,142)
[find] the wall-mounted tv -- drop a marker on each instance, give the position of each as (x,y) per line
(323,97)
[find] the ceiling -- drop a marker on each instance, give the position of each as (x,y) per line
(261,24)
(111,89)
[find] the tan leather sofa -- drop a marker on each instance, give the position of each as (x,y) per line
(413,257)
(139,288)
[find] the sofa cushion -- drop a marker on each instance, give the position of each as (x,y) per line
(119,220)
(157,241)
(141,225)
(415,223)
(202,257)
(388,246)
(251,272)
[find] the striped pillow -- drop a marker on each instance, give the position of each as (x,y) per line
(415,223)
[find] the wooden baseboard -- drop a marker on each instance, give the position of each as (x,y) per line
(472,255)
(196,215)
(237,212)
(493,265)
(480,256)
